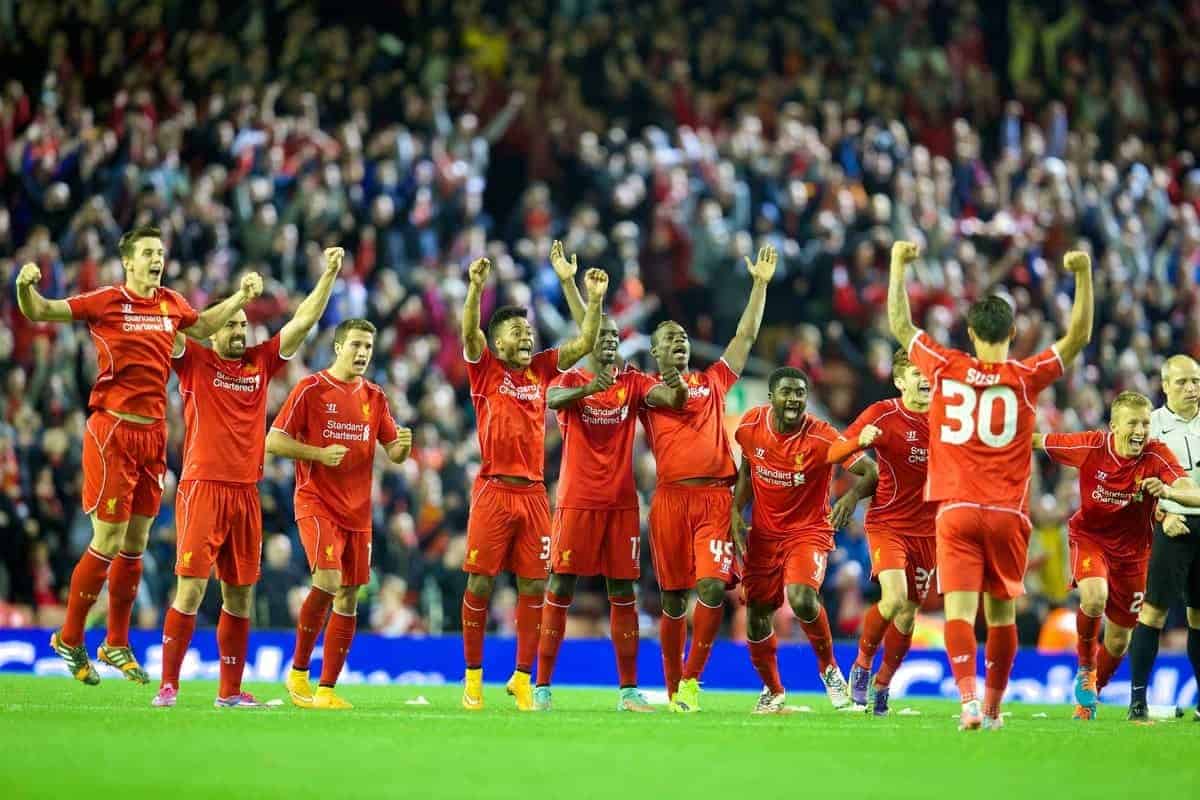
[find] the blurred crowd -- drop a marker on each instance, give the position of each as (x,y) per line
(662,141)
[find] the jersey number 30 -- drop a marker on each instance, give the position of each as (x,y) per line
(974,413)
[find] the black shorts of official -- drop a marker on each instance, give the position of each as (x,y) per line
(1174,573)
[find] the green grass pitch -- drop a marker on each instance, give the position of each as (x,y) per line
(60,739)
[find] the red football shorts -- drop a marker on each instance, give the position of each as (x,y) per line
(329,546)
(596,542)
(775,561)
(916,555)
(218,523)
(689,535)
(1126,578)
(508,530)
(981,549)
(123,467)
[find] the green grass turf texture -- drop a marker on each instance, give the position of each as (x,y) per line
(59,738)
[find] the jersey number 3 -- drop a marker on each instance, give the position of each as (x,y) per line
(969,412)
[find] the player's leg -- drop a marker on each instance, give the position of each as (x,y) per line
(339,635)
(960,567)
(999,654)
(529,561)
(576,538)
(763,644)
(1166,578)
(1093,597)
(178,627)
(1192,601)
(238,561)
(889,563)
(1111,651)
(806,605)
(490,529)
(896,642)
(124,579)
(323,549)
(623,629)
(560,590)
(671,552)
(713,557)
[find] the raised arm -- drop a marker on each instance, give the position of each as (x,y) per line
(843,509)
(1079,330)
(841,450)
(565,270)
(400,449)
(284,446)
(211,320)
(312,307)
(743,492)
(762,270)
(671,393)
(473,339)
(31,302)
(596,281)
(899,313)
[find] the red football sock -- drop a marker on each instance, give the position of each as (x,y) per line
(873,629)
(706,623)
(339,633)
(233,639)
(895,648)
(623,626)
(86,582)
(672,632)
(554,621)
(529,626)
(474,623)
(1106,666)
(177,635)
(821,639)
(960,650)
(763,655)
(1088,629)
(999,654)
(124,576)
(309,625)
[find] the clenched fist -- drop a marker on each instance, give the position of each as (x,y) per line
(29,275)
(1077,261)
(332,455)
(404,436)
(868,435)
(596,281)
(477,273)
(333,259)
(905,252)
(252,285)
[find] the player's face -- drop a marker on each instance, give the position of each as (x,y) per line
(789,400)
(673,348)
(354,354)
(514,342)
(1182,388)
(607,342)
(147,264)
(1131,428)
(914,387)
(230,340)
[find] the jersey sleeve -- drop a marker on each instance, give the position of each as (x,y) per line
(745,429)
(1044,369)
(721,376)
(1071,449)
(927,355)
(269,356)
(185,361)
(387,432)
(545,365)
(478,371)
(1164,464)
(841,442)
(187,314)
(291,416)
(869,416)
(88,306)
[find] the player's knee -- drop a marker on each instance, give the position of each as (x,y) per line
(1193,618)
(1091,606)
(906,618)
(561,585)
(758,623)
(531,586)
(107,537)
(617,588)
(805,602)
(481,585)
(674,604)
(328,580)
(711,592)
(1116,640)
(237,599)
(1152,616)
(890,605)
(189,594)
(345,600)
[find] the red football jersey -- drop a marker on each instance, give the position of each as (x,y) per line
(692,442)
(1113,509)
(902,452)
(788,472)
(134,337)
(321,411)
(225,411)
(981,423)
(510,411)
(598,432)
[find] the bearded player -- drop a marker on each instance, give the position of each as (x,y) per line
(1122,474)
(899,526)
(689,516)
(596,529)
(786,473)
(509,523)
(219,519)
(329,425)
(981,419)
(133,328)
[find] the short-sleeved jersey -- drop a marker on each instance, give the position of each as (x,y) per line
(134,337)
(510,411)
(902,452)
(692,442)
(598,433)
(322,411)
(788,474)
(1112,506)
(225,411)
(1182,437)
(981,422)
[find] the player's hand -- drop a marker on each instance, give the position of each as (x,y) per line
(1077,261)
(332,455)
(29,275)
(602,382)
(737,532)
(252,285)
(843,510)
(1174,525)
(671,377)
(904,253)
(1155,488)
(478,272)
(333,259)
(404,437)
(565,270)
(596,281)
(868,435)
(763,269)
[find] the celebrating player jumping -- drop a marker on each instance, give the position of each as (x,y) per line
(981,420)
(133,327)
